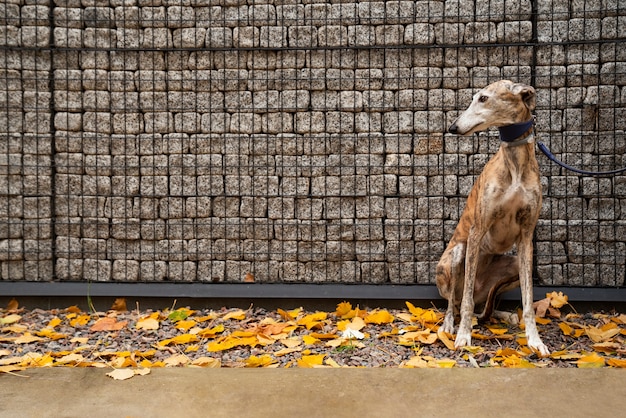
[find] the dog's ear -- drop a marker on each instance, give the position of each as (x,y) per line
(527,93)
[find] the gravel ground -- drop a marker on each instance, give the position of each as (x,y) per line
(231,337)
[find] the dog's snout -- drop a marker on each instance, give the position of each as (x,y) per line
(453,129)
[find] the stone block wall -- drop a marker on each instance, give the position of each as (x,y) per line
(298,140)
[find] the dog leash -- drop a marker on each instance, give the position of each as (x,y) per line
(552,158)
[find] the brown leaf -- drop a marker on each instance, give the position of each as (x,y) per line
(108,324)
(119,305)
(249,278)
(12,305)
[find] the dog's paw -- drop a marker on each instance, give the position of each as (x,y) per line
(448,324)
(535,344)
(463,339)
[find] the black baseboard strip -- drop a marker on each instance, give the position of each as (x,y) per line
(276,291)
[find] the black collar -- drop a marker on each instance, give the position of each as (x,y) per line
(517,133)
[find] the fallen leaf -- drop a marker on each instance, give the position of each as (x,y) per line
(598,335)
(147,323)
(176,360)
(593,360)
(27,338)
(10,319)
(238,315)
(249,278)
(121,374)
(179,339)
(312,320)
(616,362)
(312,360)
(557,300)
(444,337)
(13,305)
(261,361)
(108,324)
(119,305)
(343,308)
(209,362)
(379,317)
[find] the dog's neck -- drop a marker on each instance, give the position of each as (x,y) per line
(517,133)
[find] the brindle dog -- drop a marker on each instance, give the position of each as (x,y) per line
(501,212)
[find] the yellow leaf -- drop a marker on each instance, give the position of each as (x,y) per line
(10,319)
(121,374)
(54,322)
(565,355)
(291,342)
(607,347)
(238,315)
(51,334)
(417,362)
(71,359)
(285,351)
(542,321)
(309,340)
(311,360)
(209,362)
(212,332)
(185,325)
(557,300)
(343,308)
(356,324)
(179,339)
(592,360)
(27,338)
(567,330)
(80,320)
(332,363)
(192,348)
(262,361)
(497,330)
(446,363)
(176,360)
(444,337)
(379,317)
(147,323)
(312,320)
(598,335)
(289,315)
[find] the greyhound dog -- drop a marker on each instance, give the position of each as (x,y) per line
(501,212)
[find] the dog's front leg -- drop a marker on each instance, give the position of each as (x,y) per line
(525,254)
(464,334)
(455,260)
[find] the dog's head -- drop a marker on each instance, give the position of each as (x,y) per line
(499,104)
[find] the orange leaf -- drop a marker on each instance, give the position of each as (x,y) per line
(108,324)
(616,362)
(13,305)
(119,305)
(557,300)
(249,278)
(567,330)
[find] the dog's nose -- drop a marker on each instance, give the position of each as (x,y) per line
(453,128)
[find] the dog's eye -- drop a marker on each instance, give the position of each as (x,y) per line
(482,99)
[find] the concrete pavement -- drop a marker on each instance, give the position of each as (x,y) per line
(187,392)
